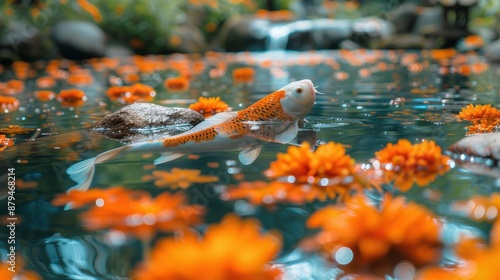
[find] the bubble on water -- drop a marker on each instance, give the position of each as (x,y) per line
(343,255)
(99,202)
(404,270)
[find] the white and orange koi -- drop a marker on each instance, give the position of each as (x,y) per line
(274,118)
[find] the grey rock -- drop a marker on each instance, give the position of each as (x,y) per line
(26,42)
(146,121)
(191,40)
(492,51)
(429,21)
(403,41)
(79,39)
(118,50)
(478,153)
(367,29)
(403,17)
(244,33)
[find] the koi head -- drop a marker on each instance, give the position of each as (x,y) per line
(299,98)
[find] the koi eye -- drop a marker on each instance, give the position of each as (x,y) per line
(298,90)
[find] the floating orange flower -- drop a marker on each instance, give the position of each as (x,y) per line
(129,94)
(406,163)
(209,106)
(45,82)
(474,41)
(377,238)
(80,79)
(233,249)
(179,178)
(438,54)
(15,129)
(243,75)
(72,97)
(45,95)
(5,142)
(484,118)
(141,215)
(14,87)
(177,84)
(9,103)
(328,161)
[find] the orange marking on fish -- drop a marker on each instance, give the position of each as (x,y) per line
(266,109)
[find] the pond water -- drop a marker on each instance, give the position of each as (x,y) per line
(371,98)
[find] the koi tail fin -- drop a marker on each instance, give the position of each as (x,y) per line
(83,172)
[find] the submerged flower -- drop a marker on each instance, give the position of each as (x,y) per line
(209,106)
(477,260)
(483,118)
(78,199)
(377,237)
(180,178)
(233,249)
(141,215)
(406,163)
(260,192)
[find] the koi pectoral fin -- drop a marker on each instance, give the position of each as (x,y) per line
(166,157)
(288,135)
(249,155)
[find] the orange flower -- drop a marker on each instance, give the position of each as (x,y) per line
(377,238)
(328,170)
(80,79)
(438,54)
(8,103)
(474,41)
(477,260)
(129,94)
(78,199)
(45,95)
(5,142)
(179,178)
(260,192)
(480,208)
(484,118)
(243,75)
(209,106)
(233,249)
(20,272)
(15,129)
(406,163)
(141,215)
(177,84)
(45,82)
(72,97)
(14,86)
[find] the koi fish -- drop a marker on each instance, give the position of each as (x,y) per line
(274,118)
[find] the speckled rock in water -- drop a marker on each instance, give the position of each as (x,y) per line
(79,39)
(479,153)
(146,121)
